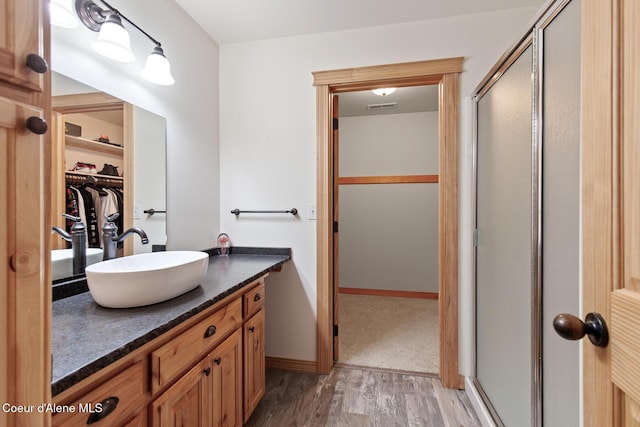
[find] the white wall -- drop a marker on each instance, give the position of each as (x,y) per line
(268,147)
(389,232)
(190,106)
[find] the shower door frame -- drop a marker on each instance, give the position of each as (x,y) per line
(532,37)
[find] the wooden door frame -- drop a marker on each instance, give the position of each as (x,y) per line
(445,73)
(601,229)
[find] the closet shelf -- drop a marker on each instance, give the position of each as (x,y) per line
(102,147)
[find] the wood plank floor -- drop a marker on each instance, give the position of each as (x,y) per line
(360,397)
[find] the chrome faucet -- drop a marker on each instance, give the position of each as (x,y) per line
(78,239)
(110,238)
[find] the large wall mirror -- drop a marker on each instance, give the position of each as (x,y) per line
(109,146)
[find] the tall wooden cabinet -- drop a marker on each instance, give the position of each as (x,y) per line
(25,298)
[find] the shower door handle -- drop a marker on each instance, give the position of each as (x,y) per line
(571,327)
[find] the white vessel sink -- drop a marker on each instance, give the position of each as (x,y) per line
(144,279)
(62,261)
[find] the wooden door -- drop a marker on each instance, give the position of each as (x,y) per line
(611,208)
(226,382)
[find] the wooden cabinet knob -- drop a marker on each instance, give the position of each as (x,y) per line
(37,125)
(37,63)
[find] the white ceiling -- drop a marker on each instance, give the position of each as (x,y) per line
(232,21)
(408,100)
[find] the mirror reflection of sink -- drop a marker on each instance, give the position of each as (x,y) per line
(145,279)
(62,261)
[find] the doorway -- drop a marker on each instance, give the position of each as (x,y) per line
(387,210)
(445,73)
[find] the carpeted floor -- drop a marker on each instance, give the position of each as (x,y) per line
(389,332)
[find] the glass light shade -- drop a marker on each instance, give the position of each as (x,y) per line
(157,68)
(62,14)
(113,40)
(384,91)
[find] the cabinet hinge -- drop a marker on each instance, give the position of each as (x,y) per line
(335,123)
(475,237)
(335,226)
(335,330)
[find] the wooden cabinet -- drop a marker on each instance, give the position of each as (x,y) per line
(254,363)
(208,371)
(210,394)
(226,382)
(20,37)
(186,403)
(118,401)
(24,165)
(178,354)
(254,357)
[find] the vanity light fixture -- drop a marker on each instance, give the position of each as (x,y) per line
(62,14)
(114,42)
(157,68)
(384,91)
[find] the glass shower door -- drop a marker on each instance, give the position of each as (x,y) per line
(504,243)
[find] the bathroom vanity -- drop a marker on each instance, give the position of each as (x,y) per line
(196,359)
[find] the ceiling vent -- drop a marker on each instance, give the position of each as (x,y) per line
(385,106)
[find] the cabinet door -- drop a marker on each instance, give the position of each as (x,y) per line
(226,378)
(18,39)
(186,403)
(24,350)
(254,370)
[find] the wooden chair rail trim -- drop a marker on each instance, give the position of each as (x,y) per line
(389,293)
(389,179)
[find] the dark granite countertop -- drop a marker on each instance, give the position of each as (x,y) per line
(87,337)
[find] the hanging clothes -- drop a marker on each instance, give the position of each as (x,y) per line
(92,202)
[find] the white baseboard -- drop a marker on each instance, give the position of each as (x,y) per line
(478,405)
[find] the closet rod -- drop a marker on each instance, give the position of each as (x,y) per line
(237,211)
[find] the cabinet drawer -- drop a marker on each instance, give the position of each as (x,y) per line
(253,300)
(173,358)
(115,402)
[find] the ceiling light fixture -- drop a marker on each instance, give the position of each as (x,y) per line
(384,91)
(114,41)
